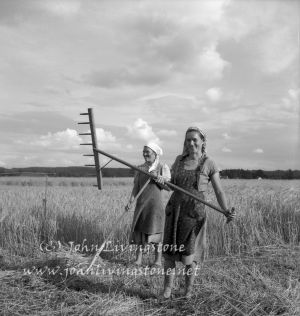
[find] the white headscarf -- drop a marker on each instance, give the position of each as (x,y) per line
(158,152)
(155,148)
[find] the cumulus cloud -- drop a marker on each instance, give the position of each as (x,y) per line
(290,101)
(142,130)
(69,139)
(226,150)
(214,94)
(104,136)
(226,136)
(258,151)
(211,65)
(293,93)
(62,140)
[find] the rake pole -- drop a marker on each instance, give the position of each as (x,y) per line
(169,184)
(116,226)
(95,146)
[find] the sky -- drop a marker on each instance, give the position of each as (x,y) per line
(150,69)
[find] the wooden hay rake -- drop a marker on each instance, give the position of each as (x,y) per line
(97,151)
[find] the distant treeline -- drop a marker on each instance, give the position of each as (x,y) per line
(256,174)
(67,172)
(126,172)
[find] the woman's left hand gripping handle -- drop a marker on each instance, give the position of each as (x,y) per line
(159,179)
(128,206)
(231,214)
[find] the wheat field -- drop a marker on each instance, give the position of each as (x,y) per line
(252,264)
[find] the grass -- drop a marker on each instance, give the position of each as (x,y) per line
(252,266)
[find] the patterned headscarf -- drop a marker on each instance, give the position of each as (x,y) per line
(202,136)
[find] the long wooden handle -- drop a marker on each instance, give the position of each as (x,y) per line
(105,241)
(141,191)
(135,199)
(171,185)
(115,227)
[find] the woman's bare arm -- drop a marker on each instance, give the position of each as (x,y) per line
(216,183)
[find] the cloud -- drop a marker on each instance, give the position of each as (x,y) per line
(258,151)
(287,104)
(226,136)
(142,130)
(278,50)
(69,139)
(294,94)
(134,74)
(210,64)
(166,64)
(65,8)
(2,164)
(290,102)
(214,94)
(167,133)
(106,140)
(226,150)
(104,136)
(169,108)
(18,12)
(34,122)
(63,140)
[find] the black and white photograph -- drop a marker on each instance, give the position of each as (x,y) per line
(150,157)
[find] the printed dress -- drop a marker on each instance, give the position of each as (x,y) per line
(185,225)
(149,214)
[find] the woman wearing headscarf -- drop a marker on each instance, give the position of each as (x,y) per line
(149,214)
(185,224)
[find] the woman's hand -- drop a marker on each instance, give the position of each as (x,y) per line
(128,206)
(231,214)
(159,179)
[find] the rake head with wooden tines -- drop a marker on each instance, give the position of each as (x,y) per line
(94,145)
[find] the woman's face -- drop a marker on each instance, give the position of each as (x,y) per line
(149,155)
(193,142)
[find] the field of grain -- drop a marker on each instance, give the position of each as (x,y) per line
(252,265)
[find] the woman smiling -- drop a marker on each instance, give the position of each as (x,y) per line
(149,214)
(185,226)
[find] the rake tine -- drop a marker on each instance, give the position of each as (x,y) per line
(83,123)
(84,113)
(91,144)
(85,134)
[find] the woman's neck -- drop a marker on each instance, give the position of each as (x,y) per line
(193,156)
(148,163)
